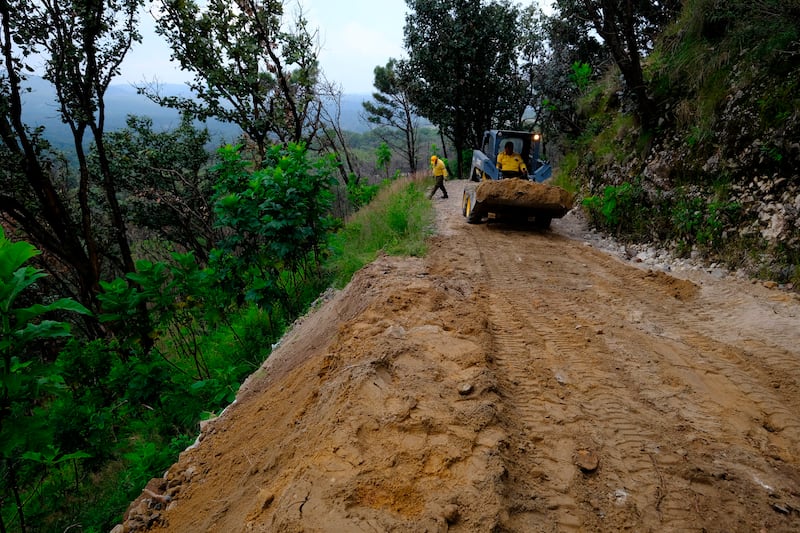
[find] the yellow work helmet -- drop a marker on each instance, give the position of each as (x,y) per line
(433,159)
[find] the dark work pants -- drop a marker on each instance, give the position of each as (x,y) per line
(439,185)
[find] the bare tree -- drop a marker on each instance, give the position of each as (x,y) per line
(333,138)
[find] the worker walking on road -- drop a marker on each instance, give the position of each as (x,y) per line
(510,163)
(439,174)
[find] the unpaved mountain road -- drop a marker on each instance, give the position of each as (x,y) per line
(512,380)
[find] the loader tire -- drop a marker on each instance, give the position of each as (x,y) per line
(468,207)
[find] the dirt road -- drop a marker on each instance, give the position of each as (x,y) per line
(512,380)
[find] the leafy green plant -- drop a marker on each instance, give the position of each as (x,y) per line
(772,152)
(581,75)
(697,221)
(383,156)
(359,193)
(276,219)
(609,209)
(27,382)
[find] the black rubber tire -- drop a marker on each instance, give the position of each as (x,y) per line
(473,215)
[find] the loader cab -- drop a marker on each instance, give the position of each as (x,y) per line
(521,141)
(495,141)
(526,144)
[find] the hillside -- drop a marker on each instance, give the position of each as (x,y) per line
(511,380)
(718,176)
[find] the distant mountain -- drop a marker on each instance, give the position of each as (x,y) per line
(351,112)
(40,108)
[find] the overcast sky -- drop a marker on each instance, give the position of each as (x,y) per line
(355,36)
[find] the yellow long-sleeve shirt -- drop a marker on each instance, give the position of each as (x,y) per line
(439,169)
(512,162)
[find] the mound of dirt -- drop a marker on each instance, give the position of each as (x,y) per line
(511,380)
(524,193)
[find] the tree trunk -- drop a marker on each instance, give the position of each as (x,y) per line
(616,25)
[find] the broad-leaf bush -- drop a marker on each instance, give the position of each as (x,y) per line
(28,383)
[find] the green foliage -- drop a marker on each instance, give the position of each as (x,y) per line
(581,75)
(383,156)
(697,221)
(562,175)
(396,222)
(777,104)
(393,112)
(252,67)
(165,190)
(462,66)
(359,193)
(77,47)
(27,382)
(276,220)
(618,209)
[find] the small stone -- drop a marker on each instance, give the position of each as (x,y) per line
(266,497)
(465,389)
(586,460)
(783,509)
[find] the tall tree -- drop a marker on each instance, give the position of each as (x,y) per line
(82,44)
(392,108)
(461,70)
(249,69)
(550,46)
(628,30)
(166,189)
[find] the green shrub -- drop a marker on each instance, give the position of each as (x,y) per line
(698,221)
(612,209)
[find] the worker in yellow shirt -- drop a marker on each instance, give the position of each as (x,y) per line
(439,173)
(510,164)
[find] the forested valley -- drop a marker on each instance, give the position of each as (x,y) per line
(144,273)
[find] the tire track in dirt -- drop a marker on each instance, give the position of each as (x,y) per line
(617,407)
(728,392)
(747,381)
(530,412)
(585,369)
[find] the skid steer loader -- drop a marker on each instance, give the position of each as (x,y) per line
(509,193)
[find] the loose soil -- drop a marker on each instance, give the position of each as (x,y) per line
(512,380)
(524,193)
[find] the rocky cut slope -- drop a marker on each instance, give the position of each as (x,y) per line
(720,174)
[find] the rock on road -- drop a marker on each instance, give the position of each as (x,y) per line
(511,380)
